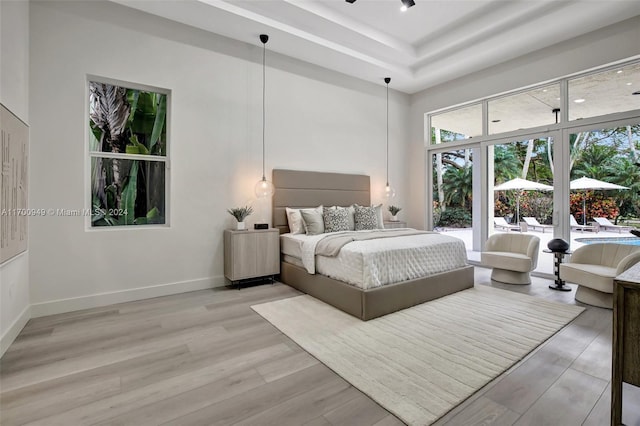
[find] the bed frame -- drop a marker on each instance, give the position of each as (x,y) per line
(301,189)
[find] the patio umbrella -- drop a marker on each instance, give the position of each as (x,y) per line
(584,184)
(521,185)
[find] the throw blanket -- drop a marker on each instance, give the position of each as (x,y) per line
(333,242)
(337,240)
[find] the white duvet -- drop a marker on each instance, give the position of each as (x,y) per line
(373,263)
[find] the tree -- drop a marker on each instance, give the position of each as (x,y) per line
(506,163)
(458,186)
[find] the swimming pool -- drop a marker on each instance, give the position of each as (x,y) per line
(632,241)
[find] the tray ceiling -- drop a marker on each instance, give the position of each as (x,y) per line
(432,42)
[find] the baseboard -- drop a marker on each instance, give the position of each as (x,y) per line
(12,332)
(103,299)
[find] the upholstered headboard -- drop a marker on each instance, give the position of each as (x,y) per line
(299,189)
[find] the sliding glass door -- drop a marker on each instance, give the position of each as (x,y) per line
(455,181)
(604,196)
(520,179)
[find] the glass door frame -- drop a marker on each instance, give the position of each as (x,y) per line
(476,180)
(593,125)
(560,132)
(559,155)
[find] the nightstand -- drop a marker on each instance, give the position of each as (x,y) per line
(398,224)
(251,254)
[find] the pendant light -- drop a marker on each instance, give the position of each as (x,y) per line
(389,192)
(264,188)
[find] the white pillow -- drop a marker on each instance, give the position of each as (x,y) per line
(296,225)
(379,218)
(313,220)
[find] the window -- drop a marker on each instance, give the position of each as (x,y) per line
(525,136)
(606,92)
(461,123)
(128,154)
(533,108)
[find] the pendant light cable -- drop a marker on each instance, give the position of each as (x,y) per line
(387,80)
(389,192)
(264,188)
(264,53)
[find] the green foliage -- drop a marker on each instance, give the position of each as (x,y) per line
(394,210)
(240,213)
(455,218)
(605,155)
(458,186)
(506,163)
(127,121)
(129,194)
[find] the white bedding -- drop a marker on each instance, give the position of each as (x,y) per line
(373,263)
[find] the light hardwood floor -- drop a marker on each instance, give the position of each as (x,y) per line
(206,358)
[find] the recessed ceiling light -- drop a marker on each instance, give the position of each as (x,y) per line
(403,8)
(619,72)
(544,90)
(629,84)
(495,121)
(579,101)
(557,99)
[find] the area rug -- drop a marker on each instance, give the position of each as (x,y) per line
(421,362)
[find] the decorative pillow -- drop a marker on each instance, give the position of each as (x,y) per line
(352,220)
(336,219)
(366,218)
(351,213)
(313,221)
(296,225)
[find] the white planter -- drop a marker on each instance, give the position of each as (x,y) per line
(394,218)
(240,226)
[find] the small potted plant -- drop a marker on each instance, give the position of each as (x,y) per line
(394,210)
(240,213)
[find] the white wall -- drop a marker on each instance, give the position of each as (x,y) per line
(14,94)
(604,46)
(316,120)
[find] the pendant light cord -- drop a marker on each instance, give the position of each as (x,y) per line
(264,52)
(387,133)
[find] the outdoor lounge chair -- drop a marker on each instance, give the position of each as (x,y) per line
(501,223)
(533,223)
(575,225)
(606,224)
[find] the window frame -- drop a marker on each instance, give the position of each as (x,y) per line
(89,155)
(559,131)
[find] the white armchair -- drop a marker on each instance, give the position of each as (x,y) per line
(594,266)
(512,257)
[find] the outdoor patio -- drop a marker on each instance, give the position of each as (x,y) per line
(545,260)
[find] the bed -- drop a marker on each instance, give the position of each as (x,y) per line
(305,189)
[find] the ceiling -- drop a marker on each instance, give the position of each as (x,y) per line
(432,42)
